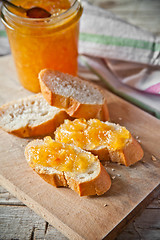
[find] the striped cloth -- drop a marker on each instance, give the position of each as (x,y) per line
(125,57)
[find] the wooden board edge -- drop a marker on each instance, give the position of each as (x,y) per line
(133,214)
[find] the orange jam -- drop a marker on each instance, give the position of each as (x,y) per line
(92,133)
(43,43)
(62,157)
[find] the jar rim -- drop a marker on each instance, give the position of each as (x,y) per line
(50,20)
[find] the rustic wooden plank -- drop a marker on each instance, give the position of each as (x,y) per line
(20,223)
(129,233)
(52,233)
(7,198)
(146,226)
(155,203)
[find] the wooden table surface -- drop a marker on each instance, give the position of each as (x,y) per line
(19,222)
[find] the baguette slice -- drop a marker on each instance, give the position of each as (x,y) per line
(30,116)
(67,165)
(109,141)
(79,98)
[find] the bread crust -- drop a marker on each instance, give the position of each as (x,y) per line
(42,129)
(57,180)
(102,153)
(72,106)
(100,184)
(130,154)
(96,186)
(133,152)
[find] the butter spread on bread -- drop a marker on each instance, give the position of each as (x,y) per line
(109,141)
(30,116)
(66,165)
(78,97)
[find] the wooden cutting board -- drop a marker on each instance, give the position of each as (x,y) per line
(83,217)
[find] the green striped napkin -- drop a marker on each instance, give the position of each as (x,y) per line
(104,35)
(123,56)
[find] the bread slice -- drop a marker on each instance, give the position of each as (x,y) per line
(66,165)
(30,116)
(79,98)
(109,141)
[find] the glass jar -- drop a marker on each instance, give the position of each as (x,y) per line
(43,43)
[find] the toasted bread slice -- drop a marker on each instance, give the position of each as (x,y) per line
(30,116)
(109,141)
(66,165)
(78,97)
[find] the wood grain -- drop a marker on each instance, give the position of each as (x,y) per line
(145,226)
(17,221)
(85,217)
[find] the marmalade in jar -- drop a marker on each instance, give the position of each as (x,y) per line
(43,43)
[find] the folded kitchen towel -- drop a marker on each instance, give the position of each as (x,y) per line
(146,101)
(125,57)
(105,35)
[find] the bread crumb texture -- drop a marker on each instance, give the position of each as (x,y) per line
(70,86)
(27,113)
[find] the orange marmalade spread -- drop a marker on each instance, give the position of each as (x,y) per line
(92,133)
(62,157)
(43,43)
